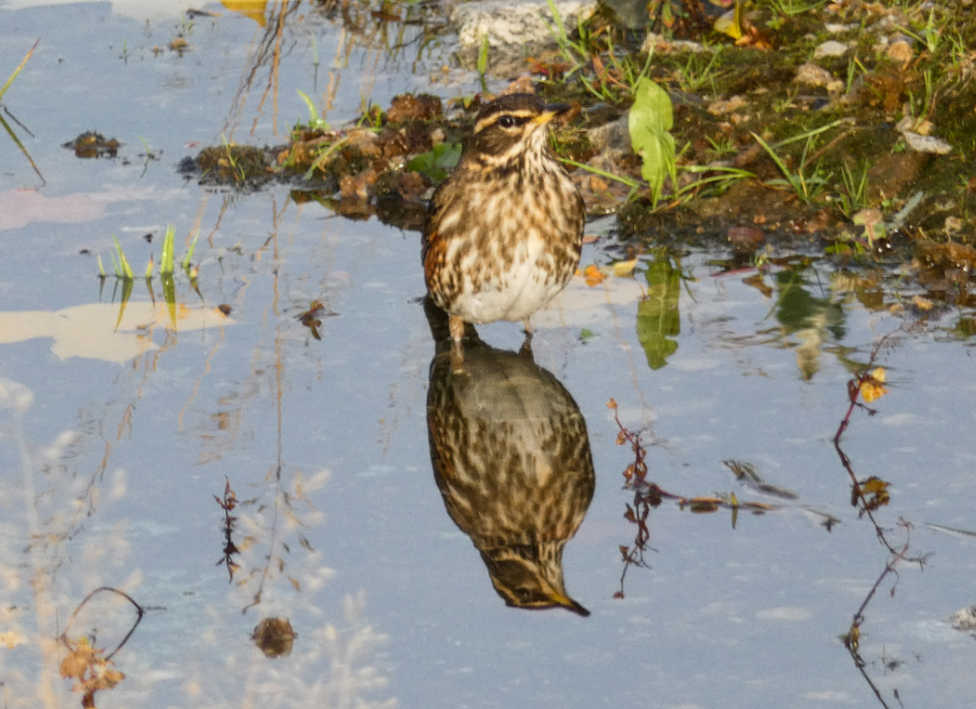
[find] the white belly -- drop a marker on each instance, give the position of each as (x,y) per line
(516,292)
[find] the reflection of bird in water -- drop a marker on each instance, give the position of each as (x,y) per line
(511,458)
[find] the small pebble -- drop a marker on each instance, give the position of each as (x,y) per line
(953,225)
(918,139)
(830,48)
(813,75)
(926,144)
(719,108)
(900,52)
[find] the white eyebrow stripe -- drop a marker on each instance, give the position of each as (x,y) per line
(493,118)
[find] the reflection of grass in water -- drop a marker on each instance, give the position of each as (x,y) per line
(389,32)
(6,126)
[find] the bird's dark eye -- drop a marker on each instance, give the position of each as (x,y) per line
(508,121)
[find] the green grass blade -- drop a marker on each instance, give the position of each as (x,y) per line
(20,66)
(810,133)
(323,158)
(189,254)
(560,33)
(630,182)
(123,262)
(483,55)
(790,178)
(166,258)
(313,112)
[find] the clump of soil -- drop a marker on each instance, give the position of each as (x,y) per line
(92,144)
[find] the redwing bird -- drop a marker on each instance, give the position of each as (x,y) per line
(504,231)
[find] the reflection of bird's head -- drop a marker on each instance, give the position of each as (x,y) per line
(530,577)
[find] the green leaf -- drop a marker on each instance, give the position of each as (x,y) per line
(650,119)
(436,163)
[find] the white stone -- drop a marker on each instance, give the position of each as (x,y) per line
(918,138)
(831,48)
(926,144)
(813,75)
(515,23)
(657,43)
(835,28)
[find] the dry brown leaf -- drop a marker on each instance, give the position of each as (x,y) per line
(872,388)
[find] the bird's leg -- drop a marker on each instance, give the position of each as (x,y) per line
(526,349)
(456,325)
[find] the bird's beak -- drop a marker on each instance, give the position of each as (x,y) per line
(552,110)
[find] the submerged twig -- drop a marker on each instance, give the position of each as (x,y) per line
(648,495)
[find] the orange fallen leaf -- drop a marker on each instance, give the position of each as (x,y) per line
(923,304)
(92,671)
(592,275)
(873,492)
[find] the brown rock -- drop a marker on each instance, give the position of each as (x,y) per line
(900,52)
(411,185)
(746,238)
(720,108)
(522,85)
(892,172)
(366,141)
(357,186)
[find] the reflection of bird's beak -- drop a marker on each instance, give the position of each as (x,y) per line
(552,110)
(569,604)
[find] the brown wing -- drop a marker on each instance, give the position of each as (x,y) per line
(433,248)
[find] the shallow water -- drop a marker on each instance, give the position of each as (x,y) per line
(119,433)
